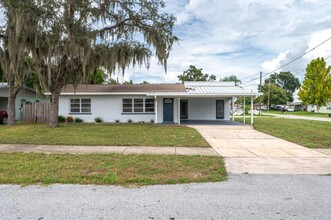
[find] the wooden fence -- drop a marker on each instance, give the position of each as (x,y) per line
(37,112)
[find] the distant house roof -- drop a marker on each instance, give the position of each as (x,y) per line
(216,89)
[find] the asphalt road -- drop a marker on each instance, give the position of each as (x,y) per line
(242,197)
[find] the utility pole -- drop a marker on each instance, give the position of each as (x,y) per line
(269,95)
(260,90)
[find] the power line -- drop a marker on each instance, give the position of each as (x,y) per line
(290,61)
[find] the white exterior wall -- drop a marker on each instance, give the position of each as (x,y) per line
(323,109)
(109,108)
(205,108)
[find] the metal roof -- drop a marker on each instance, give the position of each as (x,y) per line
(215,90)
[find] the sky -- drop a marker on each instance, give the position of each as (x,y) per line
(243,37)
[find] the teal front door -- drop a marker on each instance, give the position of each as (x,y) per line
(168,110)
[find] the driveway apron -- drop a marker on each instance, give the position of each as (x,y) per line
(246,150)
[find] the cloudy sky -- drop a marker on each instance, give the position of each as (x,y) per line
(243,37)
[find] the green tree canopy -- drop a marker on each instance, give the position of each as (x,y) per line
(195,74)
(231,78)
(287,81)
(98,77)
(316,86)
(278,95)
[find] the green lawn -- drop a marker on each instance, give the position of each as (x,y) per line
(103,135)
(111,169)
(300,113)
(312,134)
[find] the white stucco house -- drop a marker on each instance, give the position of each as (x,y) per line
(162,103)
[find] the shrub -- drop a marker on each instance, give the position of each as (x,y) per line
(69,119)
(152,121)
(98,120)
(78,120)
(61,119)
(130,121)
(117,121)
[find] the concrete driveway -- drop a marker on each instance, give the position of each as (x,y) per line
(249,151)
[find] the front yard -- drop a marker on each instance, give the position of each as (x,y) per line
(103,135)
(312,134)
(114,169)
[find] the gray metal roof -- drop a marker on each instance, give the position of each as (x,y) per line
(216,90)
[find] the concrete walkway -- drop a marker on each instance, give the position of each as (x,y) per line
(299,117)
(249,151)
(62,149)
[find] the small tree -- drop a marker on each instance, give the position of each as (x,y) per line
(231,78)
(316,86)
(278,95)
(195,74)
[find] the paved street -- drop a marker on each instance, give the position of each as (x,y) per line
(242,197)
(246,150)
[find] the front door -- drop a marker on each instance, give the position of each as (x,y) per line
(168,110)
(183,109)
(219,109)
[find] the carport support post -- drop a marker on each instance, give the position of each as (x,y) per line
(178,110)
(232,108)
(155,101)
(244,119)
(252,110)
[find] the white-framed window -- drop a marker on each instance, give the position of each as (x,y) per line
(138,105)
(80,105)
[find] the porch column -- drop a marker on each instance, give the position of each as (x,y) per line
(232,108)
(178,110)
(244,119)
(155,106)
(252,109)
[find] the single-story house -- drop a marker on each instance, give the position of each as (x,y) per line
(161,103)
(323,109)
(24,95)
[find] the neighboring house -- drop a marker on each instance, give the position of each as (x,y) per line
(162,103)
(323,109)
(25,95)
(297,106)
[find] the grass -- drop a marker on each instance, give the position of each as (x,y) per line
(111,169)
(312,134)
(300,113)
(103,135)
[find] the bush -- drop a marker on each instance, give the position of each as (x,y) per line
(152,121)
(98,120)
(78,120)
(69,119)
(130,121)
(61,119)
(117,121)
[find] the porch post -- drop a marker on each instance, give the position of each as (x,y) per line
(244,119)
(232,108)
(155,109)
(252,109)
(178,110)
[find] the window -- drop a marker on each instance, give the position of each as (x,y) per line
(127,105)
(138,106)
(80,105)
(149,105)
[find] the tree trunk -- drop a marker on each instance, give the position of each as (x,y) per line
(11,105)
(318,109)
(53,118)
